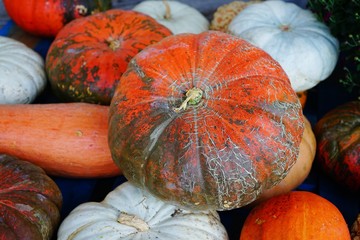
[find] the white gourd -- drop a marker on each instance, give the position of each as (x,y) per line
(176,16)
(22,72)
(293,36)
(129,212)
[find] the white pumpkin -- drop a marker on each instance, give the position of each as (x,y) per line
(128,212)
(293,36)
(22,72)
(176,16)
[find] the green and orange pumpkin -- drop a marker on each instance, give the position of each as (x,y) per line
(205,120)
(338,144)
(88,56)
(30,201)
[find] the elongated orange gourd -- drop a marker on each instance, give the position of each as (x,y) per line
(65,139)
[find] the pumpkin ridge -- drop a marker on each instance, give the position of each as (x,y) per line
(228,54)
(28,227)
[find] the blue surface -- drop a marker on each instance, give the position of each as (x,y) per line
(321,99)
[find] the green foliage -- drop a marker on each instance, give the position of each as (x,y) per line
(343,19)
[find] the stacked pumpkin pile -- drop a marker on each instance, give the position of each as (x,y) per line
(197,120)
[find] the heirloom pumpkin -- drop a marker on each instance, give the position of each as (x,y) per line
(89,55)
(338,148)
(22,72)
(45,18)
(293,36)
(128,212)
(205,120)
(178,17)
(298,215)
(30,201)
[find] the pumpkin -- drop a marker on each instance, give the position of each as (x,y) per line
(88,56)
(298,215)
(301,169)
(30,201)
(65,139)
(129,212)
(338,144)
(178,17)
(293,36)
(22,72)
(209,121)
(225,13)
(45,18)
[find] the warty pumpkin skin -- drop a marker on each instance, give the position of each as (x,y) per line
(30,201)
(45,18)
(240,137)
(89,55)
(338,151)
(298,215)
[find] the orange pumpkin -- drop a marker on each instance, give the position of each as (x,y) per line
(45,18)
(298,215)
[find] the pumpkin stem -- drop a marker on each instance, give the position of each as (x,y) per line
(285,28)
(81,10)
(133,221)
(113,43)
(168,10)
(193,97)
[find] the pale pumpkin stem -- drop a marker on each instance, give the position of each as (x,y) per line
(133,221)
(81,9)
(114,43)
(193,97)
(168,10)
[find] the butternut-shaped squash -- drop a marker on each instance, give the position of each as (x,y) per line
(65,139)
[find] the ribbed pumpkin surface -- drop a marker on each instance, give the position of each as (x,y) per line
(239,137)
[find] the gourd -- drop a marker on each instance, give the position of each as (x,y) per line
(338,144)
(65,139)
(22,72)
(30,201)
(176,16)
(129,212)
(88,56)
(209,123)
(298,215)
(225,13)
(355,229)
(301,169)
(45,18)
(293,36)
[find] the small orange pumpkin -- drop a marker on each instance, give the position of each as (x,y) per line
(298,215)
